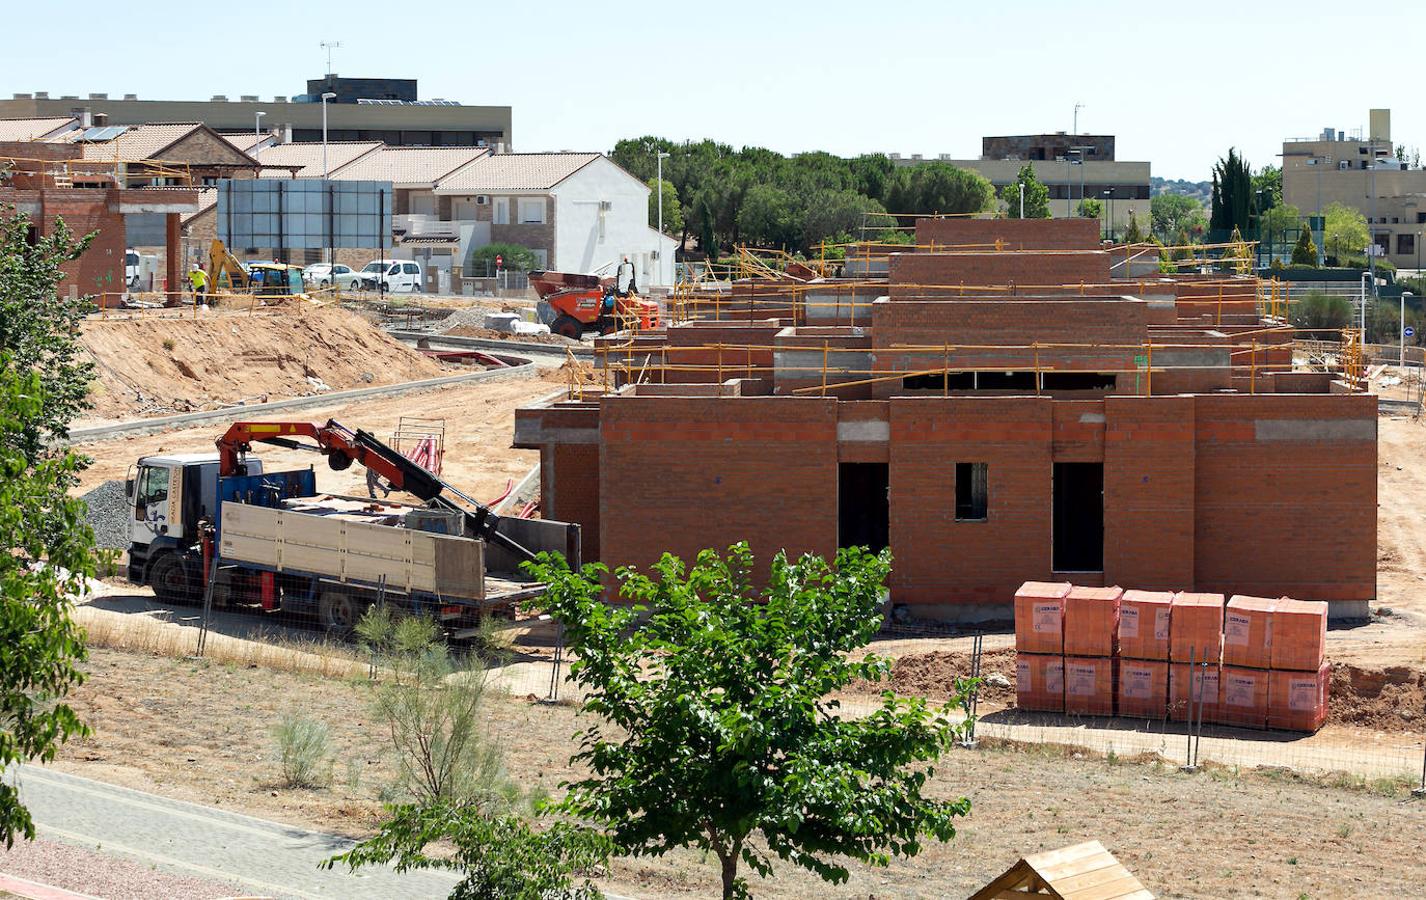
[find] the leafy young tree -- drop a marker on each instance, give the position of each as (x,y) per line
(672,212)
(1133,234)
(1276,221)
(715,727)
(1232,196)
(1090,208)
(1344,232)
(40,571)
(1304,252)
(1321,312)
(39,325)
(1267,187)
(1037,196)
(514,258)
(501,856)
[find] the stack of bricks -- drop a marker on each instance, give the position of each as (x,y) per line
(1253,662)
(1297,682)
(1144,654)
(1039,646)
(1091,628)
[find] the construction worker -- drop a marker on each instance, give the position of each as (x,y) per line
(624,280)
(199,280)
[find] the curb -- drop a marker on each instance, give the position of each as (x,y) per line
(33,890)
(525,369)
(492,344)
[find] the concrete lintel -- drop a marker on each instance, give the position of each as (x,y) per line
(533,434)
(154,206)
(866,430)
(1315,429)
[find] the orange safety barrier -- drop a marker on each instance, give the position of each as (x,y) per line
(1143,688)
(1091,620)
(1040,682)
(1039,617)
(1089,685)
(1299,635)
(1144,624)
(1248,632)
(1196,628)
(1204,687)
(1297,701)
(1245,697)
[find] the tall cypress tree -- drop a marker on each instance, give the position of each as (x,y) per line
(1232,194)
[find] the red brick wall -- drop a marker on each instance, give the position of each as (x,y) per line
(940,561)
(918,274)
(1016,234)
(101,268)
(683,474)
(1285,496)
(569,490)
(1149,492)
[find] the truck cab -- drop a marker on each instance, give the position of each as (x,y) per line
(168,496)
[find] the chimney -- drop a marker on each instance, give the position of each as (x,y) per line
(285,136)
(101,118)
(86,118)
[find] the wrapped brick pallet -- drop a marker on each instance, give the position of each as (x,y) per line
(1300,635)
(1144,624)
(1089,685)
(1196,628)
(1091,620)
(1040,682)
(1248,632)
(1297,701)
(1202,688)
(1039,617)
(1143,688)
(1245,697)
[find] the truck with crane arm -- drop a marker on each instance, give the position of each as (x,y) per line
(219,526)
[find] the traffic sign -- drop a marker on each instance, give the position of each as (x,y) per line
(1408,331)
(499,260)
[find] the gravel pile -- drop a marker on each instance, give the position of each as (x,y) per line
(76,868)
(109,514)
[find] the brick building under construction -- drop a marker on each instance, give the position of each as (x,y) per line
(1003,406)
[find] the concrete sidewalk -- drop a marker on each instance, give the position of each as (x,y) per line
(261,857)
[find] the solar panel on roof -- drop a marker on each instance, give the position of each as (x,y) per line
(100,133)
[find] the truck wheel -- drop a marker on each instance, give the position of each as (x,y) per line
(568,326)
(172,580)
(339,613)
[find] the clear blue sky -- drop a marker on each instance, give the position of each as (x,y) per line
(1178,83)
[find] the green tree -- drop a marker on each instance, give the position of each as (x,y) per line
(1232,195)
(714,725)
(1133,234)
(1344,232)
(872,174)
(501,856)
(769,217)
(1037,196)
(1304,252)
(513,258)
(828,214)
(1276,221)
(39,325)
(938,187)
(1090,208)
(672,211)
(1172,213)
(1267,187)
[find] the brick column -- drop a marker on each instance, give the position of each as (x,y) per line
(173,255)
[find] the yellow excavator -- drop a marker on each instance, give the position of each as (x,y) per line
(226,274)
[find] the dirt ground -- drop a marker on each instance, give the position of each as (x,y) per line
(202,732)
(479,422)
(162,363)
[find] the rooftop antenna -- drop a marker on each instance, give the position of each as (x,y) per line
(1077,107)
(329,46)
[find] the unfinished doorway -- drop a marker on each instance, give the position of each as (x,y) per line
(863,508)
(1078,522)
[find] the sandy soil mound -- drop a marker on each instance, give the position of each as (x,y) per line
(934,675)
(1390,699)
(148,366)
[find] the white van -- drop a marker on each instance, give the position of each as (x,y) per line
(397,276)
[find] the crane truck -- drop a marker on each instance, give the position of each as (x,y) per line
(218,526)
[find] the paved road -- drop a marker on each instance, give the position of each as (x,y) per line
(262,857)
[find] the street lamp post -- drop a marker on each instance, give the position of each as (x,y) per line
(257,134)
(327,95)
(660,157)
(1109,214)
(1022,199)
(1401,333)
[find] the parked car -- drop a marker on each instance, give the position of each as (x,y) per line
(392,275)
(322,275)
(140,269)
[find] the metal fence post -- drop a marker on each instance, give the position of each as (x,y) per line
(1421,791)
(207,607)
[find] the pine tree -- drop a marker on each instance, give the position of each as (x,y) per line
(1304,252)
(1132,233)
(1232,195)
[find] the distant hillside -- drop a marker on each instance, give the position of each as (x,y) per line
(1202,190)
